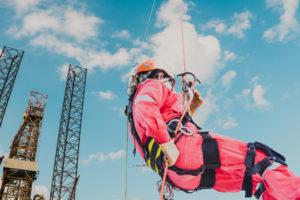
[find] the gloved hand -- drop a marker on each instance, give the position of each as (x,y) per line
(196,102)
(170,151)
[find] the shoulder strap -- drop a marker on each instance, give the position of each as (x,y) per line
(129,114)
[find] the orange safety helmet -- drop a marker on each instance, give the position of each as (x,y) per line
(144,69)
(146,66)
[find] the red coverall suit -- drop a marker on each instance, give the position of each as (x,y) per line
(154,105)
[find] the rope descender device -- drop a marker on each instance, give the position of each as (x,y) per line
(188,80)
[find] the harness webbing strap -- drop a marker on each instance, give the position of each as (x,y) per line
(180,171)
(260,191)
(208,179)
(129,114)
(249,163)
(211,158)
(260,167)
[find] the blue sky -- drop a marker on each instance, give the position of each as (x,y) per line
(245,52)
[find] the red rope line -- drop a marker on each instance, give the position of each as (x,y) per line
(186,109)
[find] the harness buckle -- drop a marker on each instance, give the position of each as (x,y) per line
(252,148)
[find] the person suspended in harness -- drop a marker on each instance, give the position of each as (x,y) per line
(198,159)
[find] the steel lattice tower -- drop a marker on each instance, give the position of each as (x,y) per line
(20,168)
(67,151)
(10,60)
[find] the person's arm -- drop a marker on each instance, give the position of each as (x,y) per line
(146,110)
(196,102)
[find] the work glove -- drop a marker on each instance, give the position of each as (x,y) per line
(171,152)
(196,102)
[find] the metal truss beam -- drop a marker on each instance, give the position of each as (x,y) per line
(67,151)
(10,60)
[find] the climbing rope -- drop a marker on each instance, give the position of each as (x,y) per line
(186,107)
(149,20)
(127,133)
(182,37)
(126,163)
(166,161)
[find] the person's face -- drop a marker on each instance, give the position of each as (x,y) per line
(167,81)
(160,75)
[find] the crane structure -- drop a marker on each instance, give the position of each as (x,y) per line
(65,178)
(10,60)
(20,169)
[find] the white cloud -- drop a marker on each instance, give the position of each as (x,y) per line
(123,34)
(228,77)
(228,123)
(273,3)
(107,95)
(72,32)
(255,95)
(209,107)
(254,80)
(80,25)
(202,51)
(246,92)
(258,94)
(218,25)
(87,57)
(63,71)
(229,55)
(63,21)
(41,190)
(288,26)
(35,23)
(101,156)
(22,6)
(240,23)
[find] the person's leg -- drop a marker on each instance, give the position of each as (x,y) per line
(229,177)
(281,183)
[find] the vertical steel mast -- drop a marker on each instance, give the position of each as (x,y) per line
(20,168)
(67,151)
(10,60)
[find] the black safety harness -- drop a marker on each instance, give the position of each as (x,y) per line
(154,157)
